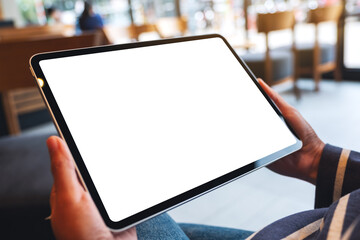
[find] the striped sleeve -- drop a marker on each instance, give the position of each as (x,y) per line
(341,220)
(338,175)
(338,211)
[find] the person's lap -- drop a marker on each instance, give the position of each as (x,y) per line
(164,227)
(160,227)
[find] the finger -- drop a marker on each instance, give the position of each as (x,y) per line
(52,202)
(293,117)
(62,167)
(278,100)
(52,197)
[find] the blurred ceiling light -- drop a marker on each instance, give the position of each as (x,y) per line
(41,82)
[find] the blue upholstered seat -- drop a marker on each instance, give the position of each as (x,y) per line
(305,53)
(282,64)
(25,187)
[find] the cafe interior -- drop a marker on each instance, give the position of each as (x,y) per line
(307,50)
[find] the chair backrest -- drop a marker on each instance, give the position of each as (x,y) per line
(171,26)
(116,34)
(15,55)
(25,100)
(20,34)
(268,22)
(325,14)
(135,31)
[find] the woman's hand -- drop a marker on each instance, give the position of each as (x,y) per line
(73,212)
(304,163)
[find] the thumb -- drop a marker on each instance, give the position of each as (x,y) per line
(62,167)
(278,100)
(292,116)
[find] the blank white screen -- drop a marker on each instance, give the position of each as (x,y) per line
(154,122)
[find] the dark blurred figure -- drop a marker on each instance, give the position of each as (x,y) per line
(90,20)
(53,16)
(7,23)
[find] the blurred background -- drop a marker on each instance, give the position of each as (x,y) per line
(307,50)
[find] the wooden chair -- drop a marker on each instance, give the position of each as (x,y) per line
(18,102)
(135,31)
(273,66)
(171,26)
(315,59)
(17,85)
(115,34)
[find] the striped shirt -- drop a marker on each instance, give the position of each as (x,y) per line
(337,203)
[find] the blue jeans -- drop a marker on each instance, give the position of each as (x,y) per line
(164,227)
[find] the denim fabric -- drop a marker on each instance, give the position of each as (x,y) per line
(164,227)
(160,227)
(203,232)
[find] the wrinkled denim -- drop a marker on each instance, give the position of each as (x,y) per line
(160,227)
(164,227)
(202,232)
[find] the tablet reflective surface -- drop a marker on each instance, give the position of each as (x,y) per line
(153,122)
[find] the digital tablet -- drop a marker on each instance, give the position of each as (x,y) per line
(154,124)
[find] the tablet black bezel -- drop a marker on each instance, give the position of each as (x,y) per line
(179,199)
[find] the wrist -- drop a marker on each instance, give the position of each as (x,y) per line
(317,152)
